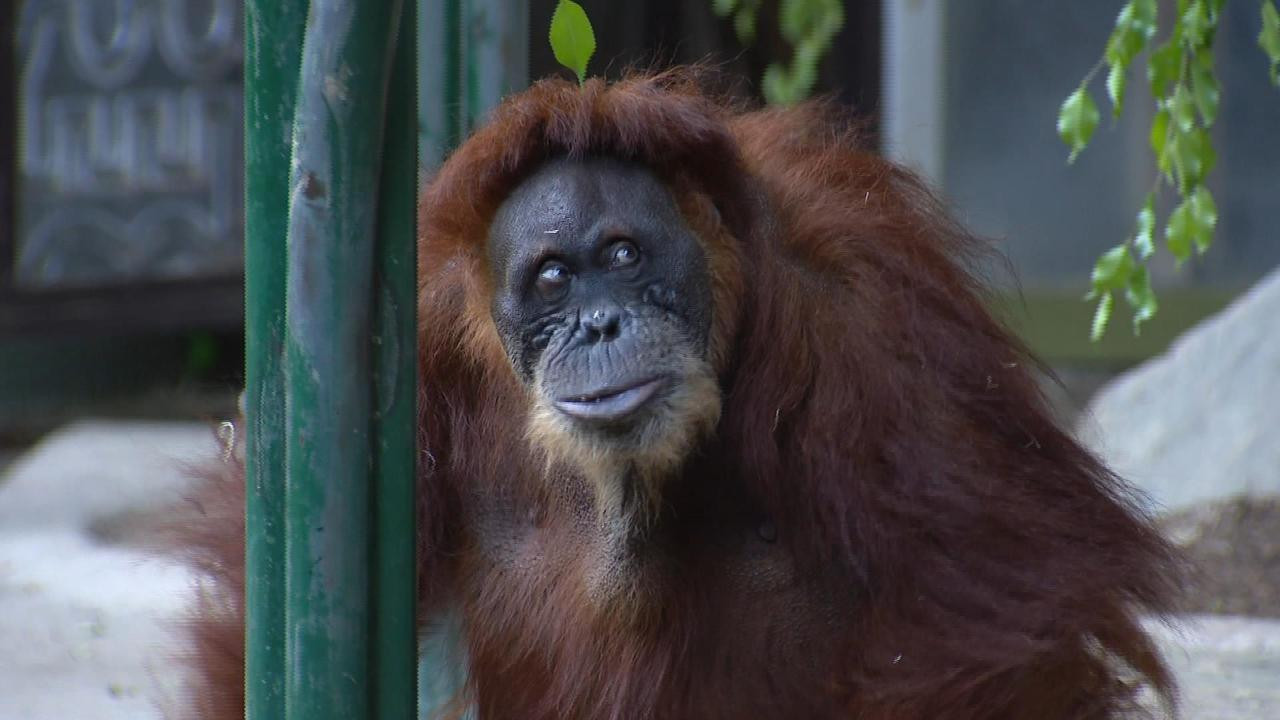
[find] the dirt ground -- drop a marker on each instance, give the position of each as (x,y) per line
(1234,548)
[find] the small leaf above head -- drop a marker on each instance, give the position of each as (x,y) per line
(572,40)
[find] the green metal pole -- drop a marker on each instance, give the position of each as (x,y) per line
(474,53)
(273,51)
(333,211)
(495,35)
(395,647)
(439,79)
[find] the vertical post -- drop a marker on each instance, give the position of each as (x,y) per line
(395,342)
(439,102)
(475,52)
(273,50)
(334,445)
(495,52)
(915,85)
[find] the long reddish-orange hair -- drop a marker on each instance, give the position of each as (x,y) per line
(872,403)
(871,406)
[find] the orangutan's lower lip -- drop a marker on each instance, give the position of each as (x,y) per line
(610,404)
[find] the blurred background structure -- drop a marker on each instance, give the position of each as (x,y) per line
(121,191)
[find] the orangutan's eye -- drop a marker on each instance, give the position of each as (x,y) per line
(623,253)
(553,279)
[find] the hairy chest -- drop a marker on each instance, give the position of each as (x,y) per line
(707,615)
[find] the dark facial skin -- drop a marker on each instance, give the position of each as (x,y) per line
(602,294)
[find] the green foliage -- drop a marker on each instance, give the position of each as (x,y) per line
(1269,38)
(808,25)
(1181,74)
(1077,120)
(572,40)
(1101,316)
(1142,237)
(744,14)
(1191,224)
(1112,270)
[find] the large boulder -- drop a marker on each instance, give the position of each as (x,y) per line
(1200,423)
(87,609)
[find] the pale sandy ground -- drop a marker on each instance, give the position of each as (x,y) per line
(86,615)
(86,621)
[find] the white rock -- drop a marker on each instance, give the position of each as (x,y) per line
(96,469)
(1226,666)
(87,629)
(1202,421)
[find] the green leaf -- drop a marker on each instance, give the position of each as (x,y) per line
(1193,157)
(1077,119)
(1269,38)
(1135,25)
(1115,88)
(777,86)
(1160,140)
(815,21)
(722,8)
(804,67)
(1111,272)
(1124,44)
(1197,25)
(1182,109)
(1144,18)
(793,20)
(1162,67)
(1142,238)
(1204,218)
(1101,316)
(830,21)
(1177,233)
(1141,297)
(744,25)
(1204,87)
(572,40)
